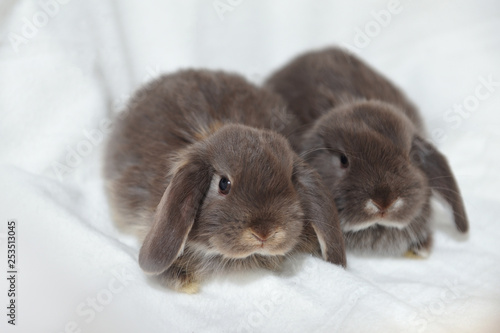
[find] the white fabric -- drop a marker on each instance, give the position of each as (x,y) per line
(67,66)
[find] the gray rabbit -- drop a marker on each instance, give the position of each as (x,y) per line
(196,170)
(367,141)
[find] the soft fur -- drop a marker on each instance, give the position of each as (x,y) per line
(166,156)
(346,111)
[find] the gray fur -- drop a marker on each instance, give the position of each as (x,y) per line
(178,137)
(346,111)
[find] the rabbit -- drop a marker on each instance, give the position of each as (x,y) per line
(196,171)
(367,141)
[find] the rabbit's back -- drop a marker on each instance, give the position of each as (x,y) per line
(163,118)
(316,82)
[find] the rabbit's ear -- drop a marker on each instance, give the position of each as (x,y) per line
(320,210)
(440,178)
(175,216)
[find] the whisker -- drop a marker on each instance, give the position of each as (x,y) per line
(445,189)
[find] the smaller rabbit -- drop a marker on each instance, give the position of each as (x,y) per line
(196,169)
(367,142)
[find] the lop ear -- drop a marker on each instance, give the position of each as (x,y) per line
(320,210)
(175,216)
(440,178)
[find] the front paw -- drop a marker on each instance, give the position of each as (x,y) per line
(413,254)
(420,251)
(178,279)
(191,287)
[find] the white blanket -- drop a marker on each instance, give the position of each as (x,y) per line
(67,66)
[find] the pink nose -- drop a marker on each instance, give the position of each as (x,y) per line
(259,236)
(382,197)
(383,205)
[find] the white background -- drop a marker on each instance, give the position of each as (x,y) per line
(66,67)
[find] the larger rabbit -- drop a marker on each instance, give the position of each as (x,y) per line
(196,169)
(368,143)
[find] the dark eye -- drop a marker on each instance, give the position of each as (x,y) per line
(224,185)
(344,162)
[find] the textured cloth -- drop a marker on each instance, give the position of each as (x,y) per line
(67,66)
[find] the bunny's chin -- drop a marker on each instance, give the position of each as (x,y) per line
(353,227)
(253,250)
(241,251)
(245,245)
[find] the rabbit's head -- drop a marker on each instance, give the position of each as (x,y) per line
(380,171)
(236,193)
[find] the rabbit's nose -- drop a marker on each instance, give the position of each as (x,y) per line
(382,198)
(377,207)
(382,205)
(259,237)
(261,234)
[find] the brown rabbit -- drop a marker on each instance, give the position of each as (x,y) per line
(367,142)
(196,168)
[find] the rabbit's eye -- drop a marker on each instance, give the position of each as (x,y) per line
(344,162)
(224,185)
